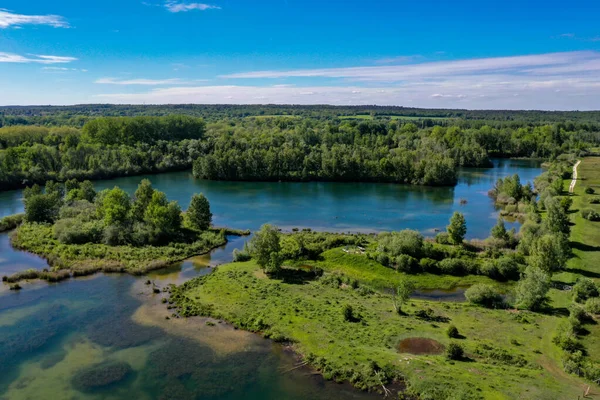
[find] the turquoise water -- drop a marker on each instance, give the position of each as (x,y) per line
(54,337)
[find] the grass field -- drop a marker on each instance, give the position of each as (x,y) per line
(509,354)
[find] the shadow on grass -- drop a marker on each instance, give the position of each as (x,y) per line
(584,247)
(297,276)
(587,274)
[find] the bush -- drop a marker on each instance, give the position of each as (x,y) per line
(11,222)
(484,295)
(241,255)
(593,305)
(454,351)
(348,313)
(452,332)
(442,238)
(428,265)
(452,266)
(589,190)
(595,200)
(590,215)
(584,289)
(383,259)
(404,242)
(406,263)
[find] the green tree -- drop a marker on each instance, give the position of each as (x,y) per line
(557,220)
(402,293)
(198,215)
(55,189)
(142,197)
(163,216)
(115,206)
(87,191)
(532,290)
(549,253)
(41,208)
(584,289)
(71,184)
(32,191)
(265,247)
(499,230)
(457,228)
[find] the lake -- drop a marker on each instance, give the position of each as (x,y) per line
(108,336)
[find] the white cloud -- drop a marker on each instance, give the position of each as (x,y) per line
(34,58)
(63,69)
(435,70)
(8,19)
(498,93)
(143,82)
(175,6)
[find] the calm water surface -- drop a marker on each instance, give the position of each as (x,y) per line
(56,340)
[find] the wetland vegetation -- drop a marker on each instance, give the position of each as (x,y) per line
(335,299)
(80,232)
(352,306)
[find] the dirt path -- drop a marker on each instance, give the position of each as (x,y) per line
(574,181)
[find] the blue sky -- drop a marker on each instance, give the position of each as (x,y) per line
(462,54)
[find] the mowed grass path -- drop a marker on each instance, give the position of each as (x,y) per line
(585,241)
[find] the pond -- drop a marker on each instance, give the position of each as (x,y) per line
(53,334)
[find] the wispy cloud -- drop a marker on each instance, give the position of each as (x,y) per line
(523,82)
(435,70)
(63,69)
(34,58)
(575,37)
(398,59)
(8,19)
(176,6)
(142,82)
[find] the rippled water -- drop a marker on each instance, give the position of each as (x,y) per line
(54,337)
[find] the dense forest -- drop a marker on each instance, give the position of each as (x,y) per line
(77,115)
(311,143)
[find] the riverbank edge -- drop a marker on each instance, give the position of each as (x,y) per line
(178,301)
(93,266)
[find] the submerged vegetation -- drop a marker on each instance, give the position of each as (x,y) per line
(80,231)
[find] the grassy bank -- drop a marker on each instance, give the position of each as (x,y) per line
(11,222)
(507,355)
(94,257)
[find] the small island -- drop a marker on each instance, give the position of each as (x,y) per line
(81,232)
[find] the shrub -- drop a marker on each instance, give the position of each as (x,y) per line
(383,259)
(442,238)
(428,265)
(404,242)
(590,215)
(589,190)
(452,266)
(595,200)
(454,351)
(241,255)
(348,313)
(584,289)
(11,222)
(452,332)
(406,263)
(484,295)
(593,305)
(532,289)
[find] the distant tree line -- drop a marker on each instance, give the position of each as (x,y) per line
(274,148)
